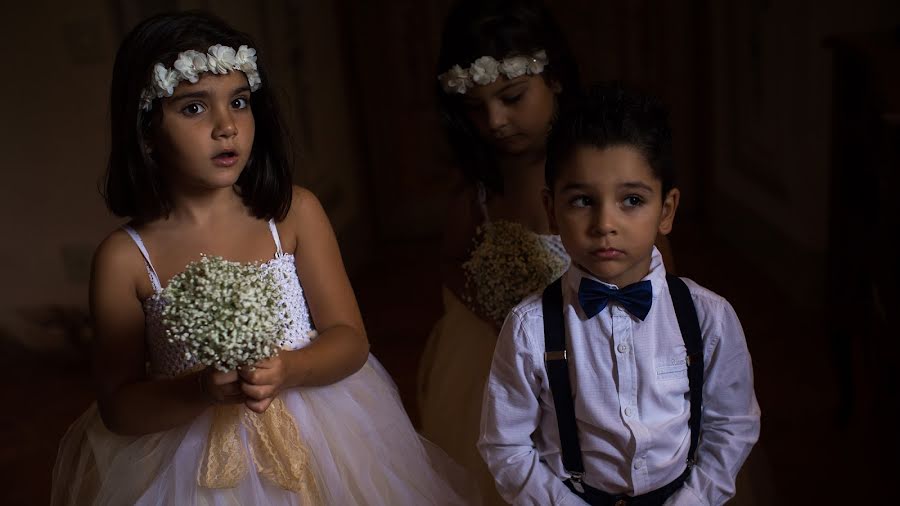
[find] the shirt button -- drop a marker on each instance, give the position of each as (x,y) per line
(629,411)
(623,348)
(638,463)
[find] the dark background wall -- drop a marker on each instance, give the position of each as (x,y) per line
(765,148)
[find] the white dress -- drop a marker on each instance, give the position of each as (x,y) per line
(452,375)
(348,443)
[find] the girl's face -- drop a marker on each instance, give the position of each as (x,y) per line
(512,115)
(206,129)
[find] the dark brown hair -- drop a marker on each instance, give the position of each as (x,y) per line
(134,185)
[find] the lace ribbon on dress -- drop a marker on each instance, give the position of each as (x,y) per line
(275,446)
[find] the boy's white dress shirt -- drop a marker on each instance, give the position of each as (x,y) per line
(631,397)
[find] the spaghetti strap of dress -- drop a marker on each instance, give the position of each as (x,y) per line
(154,278)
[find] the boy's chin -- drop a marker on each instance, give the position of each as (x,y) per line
(612,272)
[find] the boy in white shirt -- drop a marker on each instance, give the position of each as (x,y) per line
(647,377)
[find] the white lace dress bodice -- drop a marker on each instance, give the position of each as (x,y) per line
(169,358)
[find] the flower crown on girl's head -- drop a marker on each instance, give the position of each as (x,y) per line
(486,70)
(218,59)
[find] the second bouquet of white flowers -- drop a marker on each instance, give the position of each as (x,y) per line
(508,263)
(227,314)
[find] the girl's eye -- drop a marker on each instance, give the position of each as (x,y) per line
(240,103)
(633,201)
(193,109)
(580,201)
(513,99)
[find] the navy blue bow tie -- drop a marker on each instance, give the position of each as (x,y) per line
(636,298)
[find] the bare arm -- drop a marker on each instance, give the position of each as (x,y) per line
(129,402)
(341,347)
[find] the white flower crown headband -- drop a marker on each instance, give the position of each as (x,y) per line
(218,59)
(486,70)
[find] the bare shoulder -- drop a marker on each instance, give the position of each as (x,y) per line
(305,208)
(306,220)
(118,260)
(304,202)
(117,251)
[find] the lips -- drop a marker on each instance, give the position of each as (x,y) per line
(607,253)
(226,158)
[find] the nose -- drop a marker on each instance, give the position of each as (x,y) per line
(604,219)
(224,126)
(497,116)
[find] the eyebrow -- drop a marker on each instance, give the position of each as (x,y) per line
(508,86)
(498,92)
(574,186)
(205,93)
(637,185)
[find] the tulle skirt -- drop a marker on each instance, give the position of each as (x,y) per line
(454,369)
(356,446)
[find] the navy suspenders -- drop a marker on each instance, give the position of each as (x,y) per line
(558,371)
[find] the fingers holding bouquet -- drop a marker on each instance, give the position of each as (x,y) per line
(230,317)
(222,387)
(262,382)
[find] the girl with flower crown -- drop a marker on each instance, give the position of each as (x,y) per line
(504,69)
(199,165)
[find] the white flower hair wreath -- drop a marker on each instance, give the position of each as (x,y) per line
(486,70)
(190,64)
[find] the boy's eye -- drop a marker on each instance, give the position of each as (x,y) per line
(580,201)
(240,103)
(633,201)
(193,109)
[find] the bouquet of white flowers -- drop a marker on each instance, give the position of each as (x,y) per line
(509,263)
(227,314)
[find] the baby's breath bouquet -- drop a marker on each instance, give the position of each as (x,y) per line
(227,314)
(509,262)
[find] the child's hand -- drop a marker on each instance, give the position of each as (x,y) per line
(221,387)
(262,382)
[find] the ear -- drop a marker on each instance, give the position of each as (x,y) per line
(670,205)
(547,198)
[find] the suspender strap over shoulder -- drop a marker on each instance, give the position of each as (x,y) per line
(690,332)
(558,375)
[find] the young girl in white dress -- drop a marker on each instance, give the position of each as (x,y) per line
(504,70)
(198,163)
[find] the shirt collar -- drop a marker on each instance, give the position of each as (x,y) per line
(657,275)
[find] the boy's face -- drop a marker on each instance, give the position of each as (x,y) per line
(608,208)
